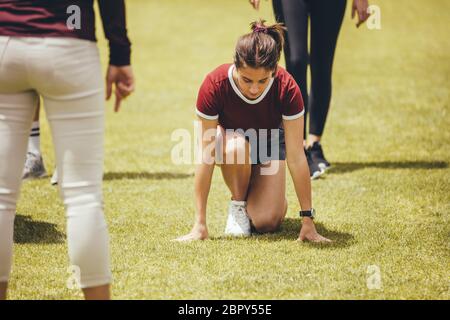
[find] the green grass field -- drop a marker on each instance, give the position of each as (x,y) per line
(386,202)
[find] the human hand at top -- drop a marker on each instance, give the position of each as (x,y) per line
(360,7)
(255,4)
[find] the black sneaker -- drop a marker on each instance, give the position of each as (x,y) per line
(317,156)
(314,170)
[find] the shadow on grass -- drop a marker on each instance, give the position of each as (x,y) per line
(26,230)
(290,230)
(146,175)
(344,167)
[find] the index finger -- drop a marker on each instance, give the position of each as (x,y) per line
(118,101)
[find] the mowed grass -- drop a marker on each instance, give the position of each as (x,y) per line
(386,201)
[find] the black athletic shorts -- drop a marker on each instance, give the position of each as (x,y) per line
(262,152)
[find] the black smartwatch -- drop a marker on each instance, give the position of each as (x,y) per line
(307,213)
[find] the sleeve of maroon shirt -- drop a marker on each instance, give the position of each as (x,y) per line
(114,24)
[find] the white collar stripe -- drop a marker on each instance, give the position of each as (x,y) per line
(239,93)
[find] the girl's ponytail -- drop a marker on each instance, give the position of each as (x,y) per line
(262,47)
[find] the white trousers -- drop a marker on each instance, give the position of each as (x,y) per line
(67,74)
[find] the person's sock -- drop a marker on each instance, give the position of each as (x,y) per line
(242,203)
(34,142)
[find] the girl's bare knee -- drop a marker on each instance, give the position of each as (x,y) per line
(269,225)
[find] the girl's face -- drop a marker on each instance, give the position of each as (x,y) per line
(252,82)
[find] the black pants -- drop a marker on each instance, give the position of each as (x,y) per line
(326,19)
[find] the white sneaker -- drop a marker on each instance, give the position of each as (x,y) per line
(238,223)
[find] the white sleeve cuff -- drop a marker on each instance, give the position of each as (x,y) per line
(205,116)
(295,116)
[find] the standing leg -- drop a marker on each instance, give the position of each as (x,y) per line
(294,14)
(16,113)
(77,131)
(17,107)
(74,104)
(326,20)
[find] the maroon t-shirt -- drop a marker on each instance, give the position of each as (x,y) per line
(49,18)
(220,98)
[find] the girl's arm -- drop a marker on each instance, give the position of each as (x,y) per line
(202,181)
(296,160)
(298,167)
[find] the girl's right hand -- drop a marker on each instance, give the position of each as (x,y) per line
(255,4)
(198,232)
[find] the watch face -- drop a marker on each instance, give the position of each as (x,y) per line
(308,213)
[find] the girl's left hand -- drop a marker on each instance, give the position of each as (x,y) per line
(308,232)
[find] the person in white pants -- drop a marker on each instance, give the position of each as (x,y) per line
(66,73)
